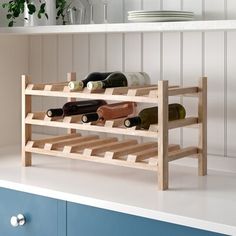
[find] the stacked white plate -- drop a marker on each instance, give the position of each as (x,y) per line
(155,16)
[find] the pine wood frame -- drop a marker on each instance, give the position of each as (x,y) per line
(135,153)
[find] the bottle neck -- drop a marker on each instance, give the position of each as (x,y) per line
(54,112)
(75,85)
(133,121)
(86,118)
(95,85)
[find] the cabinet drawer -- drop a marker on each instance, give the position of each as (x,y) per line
(89,221)
(40,214)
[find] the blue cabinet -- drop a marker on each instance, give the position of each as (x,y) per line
(41,214)
(50,217)
(90,221)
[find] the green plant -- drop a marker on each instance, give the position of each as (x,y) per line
(17,7)
(61,6)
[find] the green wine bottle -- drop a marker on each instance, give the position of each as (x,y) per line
(120,79)
(149,116)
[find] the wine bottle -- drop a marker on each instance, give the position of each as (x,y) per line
(76,108)
(110,112)
(149,116)
(95,76)
(120,79)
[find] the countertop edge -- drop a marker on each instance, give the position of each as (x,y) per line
(123,208)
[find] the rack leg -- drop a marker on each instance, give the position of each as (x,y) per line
(163,170)
(71,77)
(202,115)
(26,128)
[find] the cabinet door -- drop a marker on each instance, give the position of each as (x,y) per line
(40,214)
(89,221)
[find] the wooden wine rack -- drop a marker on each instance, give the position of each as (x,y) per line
(154,155)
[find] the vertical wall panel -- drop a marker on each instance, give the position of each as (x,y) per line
(80,55)
(50,72)
(231,83)
(65,63)
(97,52)
(65,56)
(14,61)
(214,69)
(172,60)
(171,70)
(151,47)
(35,71)
(231,101)
(151,4)
(194,6)
(133,52)
(192,68)
(115,11)
(214,9)
(131,5)
(231,9)
(151,56)
(114,51)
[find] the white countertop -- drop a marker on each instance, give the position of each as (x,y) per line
(201,202)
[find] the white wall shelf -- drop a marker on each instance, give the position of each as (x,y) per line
(216,25)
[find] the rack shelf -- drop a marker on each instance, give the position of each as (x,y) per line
(114,126)
(154,155)
(183,26)
(148,94)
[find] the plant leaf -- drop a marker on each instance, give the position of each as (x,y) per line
(32,8)
(10,24)
(43,6)
(9,16)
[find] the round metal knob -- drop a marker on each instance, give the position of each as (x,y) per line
(18,220)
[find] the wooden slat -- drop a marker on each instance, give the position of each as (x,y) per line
(42,86)
(175,155)
(35,115)
(202,114)
(40,142)
(182,91)
(26,103)
(123,151)
(182,123)
(79,156)
(110,146)
(95,128)
(142,99)
(141,91)
(67,142)
(83,145)
(163,169)
(142,155)
(114,123)
(153,161)
(72,119)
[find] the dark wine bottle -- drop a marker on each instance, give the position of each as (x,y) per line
(76,108)
(95,76)
(110,112)
(149,116)
(120,79)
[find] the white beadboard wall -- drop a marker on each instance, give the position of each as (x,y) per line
(14,62)
(179,57)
